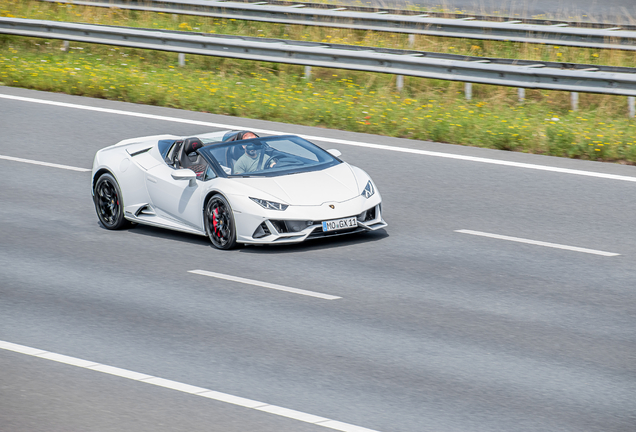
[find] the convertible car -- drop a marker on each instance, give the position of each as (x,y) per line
(259,190)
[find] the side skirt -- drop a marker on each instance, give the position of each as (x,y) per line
(160,222)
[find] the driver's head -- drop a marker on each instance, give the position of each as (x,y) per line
(251,148)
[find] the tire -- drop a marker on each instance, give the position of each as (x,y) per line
(109,204)
(219,223)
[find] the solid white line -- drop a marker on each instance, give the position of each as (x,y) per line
(60,358)
(264,284)
(231,399)
(111,370)
(538,243)
(21,349)
(285,412)
(174,385)
(330,140)
(185,388)
(48,164)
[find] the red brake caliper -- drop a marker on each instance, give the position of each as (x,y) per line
(215,214)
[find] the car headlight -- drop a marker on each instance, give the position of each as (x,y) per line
(368,191)
(269,205)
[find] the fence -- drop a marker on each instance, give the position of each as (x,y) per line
(564,33)
(503,72)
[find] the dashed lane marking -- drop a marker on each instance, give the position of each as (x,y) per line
(538,243)
(185,388)
(264,284)
(48,164)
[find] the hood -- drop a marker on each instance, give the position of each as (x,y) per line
(335,184)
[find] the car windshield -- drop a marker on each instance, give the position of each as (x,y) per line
(269,156)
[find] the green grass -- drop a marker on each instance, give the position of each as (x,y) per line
(346,100)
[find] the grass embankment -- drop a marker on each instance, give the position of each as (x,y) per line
(361,102)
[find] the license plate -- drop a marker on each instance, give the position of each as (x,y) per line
(338,224)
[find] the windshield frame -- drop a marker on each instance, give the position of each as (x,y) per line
(325,159)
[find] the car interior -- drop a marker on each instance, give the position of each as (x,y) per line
(184,154)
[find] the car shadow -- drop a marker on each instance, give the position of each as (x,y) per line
(317,244)
(163,233)
(309,245)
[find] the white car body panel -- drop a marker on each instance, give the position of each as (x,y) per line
(151,196)
(334,184)
(175,199)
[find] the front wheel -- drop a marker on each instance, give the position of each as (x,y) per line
(108,203)
(219,223)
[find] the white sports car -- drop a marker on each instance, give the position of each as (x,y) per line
(259,190)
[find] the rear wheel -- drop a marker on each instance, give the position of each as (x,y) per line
(219,223)
(109,204)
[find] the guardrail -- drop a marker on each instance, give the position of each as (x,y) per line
(502,72)
(587,35)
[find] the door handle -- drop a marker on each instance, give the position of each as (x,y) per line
(151,179)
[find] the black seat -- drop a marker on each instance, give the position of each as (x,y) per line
(189,156)
(190,159)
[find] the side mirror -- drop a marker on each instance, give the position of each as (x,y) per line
(334,152)
(185,174)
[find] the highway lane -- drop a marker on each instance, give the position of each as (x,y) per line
(436,330)
(45,396)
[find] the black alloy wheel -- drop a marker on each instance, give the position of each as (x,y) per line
(108,203)
(219,223)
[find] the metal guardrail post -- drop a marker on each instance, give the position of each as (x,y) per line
(181,59)
(521,93)
(399,79)
(631,104)
(468,90)
(574,101)
(307,73)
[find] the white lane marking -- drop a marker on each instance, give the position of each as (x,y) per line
(48,164)
(264,284)
(234,400)
(331,140)
(111,370)
(66,359)
(185,388)
(538,243)
(285,412)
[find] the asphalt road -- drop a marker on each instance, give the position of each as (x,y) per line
(436,330)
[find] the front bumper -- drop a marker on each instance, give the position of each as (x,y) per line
(305,222)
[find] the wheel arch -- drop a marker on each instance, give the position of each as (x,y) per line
(209,196)
(98,174)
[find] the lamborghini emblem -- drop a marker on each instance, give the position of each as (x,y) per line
(331,206)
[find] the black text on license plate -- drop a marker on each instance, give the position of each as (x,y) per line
(339,224)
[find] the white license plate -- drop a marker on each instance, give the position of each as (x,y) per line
(338,224)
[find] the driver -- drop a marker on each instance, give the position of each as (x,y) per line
(249,161)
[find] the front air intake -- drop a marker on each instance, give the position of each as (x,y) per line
(367,215)
(290,226)
(261,231)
